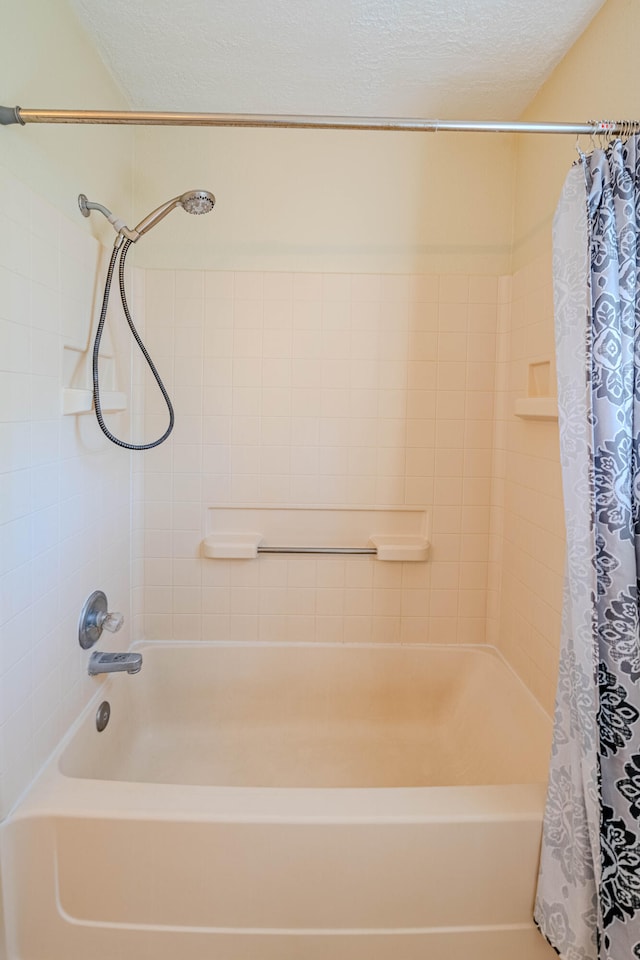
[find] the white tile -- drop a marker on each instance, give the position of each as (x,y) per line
(248,286)
(218,285)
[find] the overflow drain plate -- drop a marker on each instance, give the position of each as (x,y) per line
(102,715)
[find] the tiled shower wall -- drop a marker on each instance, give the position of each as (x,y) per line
(318,389)
(305,389)
(527,524)
(64,492)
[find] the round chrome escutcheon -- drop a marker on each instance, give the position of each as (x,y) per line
(102,715)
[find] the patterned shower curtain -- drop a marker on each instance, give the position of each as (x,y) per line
(588,900)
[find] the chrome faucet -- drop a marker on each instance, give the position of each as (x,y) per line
(114,663)
(95,618)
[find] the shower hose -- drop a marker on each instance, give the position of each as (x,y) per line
(124,249)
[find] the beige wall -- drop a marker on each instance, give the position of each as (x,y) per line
(46,60)
(64,492)
(527,545)
(597,79)
(330,201)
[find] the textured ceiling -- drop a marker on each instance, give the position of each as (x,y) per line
(438,58)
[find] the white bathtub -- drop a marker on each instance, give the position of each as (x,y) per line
(288,802)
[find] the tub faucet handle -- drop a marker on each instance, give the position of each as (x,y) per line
(111,622)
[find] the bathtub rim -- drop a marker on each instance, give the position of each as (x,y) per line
(52,793)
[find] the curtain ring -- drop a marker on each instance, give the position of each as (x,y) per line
(596,134)
(615,133)
(603,135)
(594,124)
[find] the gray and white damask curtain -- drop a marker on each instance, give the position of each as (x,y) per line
(588,902)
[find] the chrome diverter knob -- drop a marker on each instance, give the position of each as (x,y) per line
(94,618)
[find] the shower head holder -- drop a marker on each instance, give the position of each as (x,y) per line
(193,201)
(86,206)
(83,203)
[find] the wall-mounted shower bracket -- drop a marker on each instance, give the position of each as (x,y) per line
(94,618)
(86,206)
(83,203)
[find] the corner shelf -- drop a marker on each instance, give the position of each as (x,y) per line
(536,408)
(81,401)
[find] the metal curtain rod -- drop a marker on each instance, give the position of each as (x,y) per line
(20,115)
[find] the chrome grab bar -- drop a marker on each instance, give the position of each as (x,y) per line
(359,551)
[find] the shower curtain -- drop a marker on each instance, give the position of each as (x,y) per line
(588,900)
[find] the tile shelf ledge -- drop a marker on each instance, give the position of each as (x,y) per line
(81,401)
(536,408)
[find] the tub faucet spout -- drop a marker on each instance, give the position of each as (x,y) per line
(114,663)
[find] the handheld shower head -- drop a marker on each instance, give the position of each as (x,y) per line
(197,202)
(194,201)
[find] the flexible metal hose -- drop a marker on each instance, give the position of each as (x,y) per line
(96,350)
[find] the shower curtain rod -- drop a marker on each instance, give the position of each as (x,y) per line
(20,115)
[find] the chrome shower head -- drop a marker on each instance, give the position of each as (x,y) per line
(193,201)
(197,202)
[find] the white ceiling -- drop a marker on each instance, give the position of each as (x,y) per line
(430,58)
